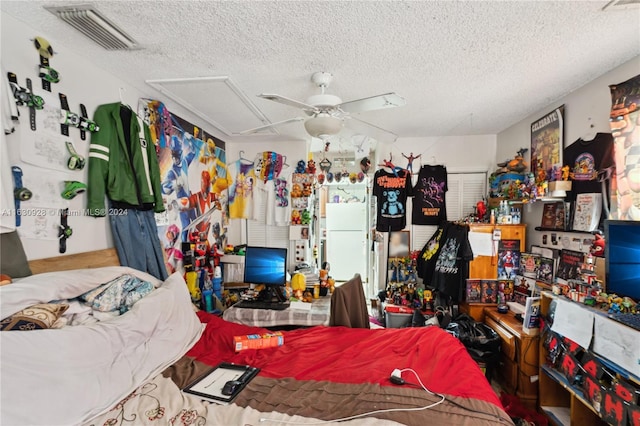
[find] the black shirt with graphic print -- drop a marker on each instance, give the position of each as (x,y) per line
(391,191)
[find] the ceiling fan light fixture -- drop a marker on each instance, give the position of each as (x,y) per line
(323,125)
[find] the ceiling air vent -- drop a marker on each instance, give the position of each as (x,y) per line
(86,19)
(622,5)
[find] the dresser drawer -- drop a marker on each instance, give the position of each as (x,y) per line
(507,340)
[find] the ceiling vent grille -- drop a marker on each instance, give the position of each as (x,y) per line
(91,23)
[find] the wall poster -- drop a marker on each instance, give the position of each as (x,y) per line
(194,180)
(547,142)
(625,121)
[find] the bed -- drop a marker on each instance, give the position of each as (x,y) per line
(130,369)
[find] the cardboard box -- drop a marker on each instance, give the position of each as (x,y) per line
(560,185)
(258,341)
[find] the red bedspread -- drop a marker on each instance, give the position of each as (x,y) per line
(350,355)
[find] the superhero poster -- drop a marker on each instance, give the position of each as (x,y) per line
(547,134)
(625,128)
(193,175)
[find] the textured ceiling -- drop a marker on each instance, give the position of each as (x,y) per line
(464,68)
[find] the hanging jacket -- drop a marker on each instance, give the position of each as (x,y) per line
(123,164)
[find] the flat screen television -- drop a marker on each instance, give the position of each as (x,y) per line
(622,257)
(268,266)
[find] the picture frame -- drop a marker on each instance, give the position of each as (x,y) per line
(547,143)
(400,244)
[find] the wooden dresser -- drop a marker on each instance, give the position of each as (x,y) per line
(486,267)
(517,370)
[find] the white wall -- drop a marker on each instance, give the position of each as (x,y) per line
(82,82)
(590,104)
(458,153)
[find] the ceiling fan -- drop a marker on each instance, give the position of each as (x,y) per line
(327,113)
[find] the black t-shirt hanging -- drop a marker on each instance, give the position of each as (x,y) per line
(453,262)
(391,191)
(426,262)
(429,196)
(586,159)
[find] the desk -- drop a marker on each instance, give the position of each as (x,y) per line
(317,315)
(518,365)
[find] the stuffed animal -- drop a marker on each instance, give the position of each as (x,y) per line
(298,285)
(295,217)
(296,190)
(597,247)
(311,167)
(305,217)
(300,167)
(306,189)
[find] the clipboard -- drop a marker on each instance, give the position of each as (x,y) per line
(209,385)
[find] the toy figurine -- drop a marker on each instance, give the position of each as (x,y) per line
(598,245)
(300,167)
(311,167)
(295,217)
(518,165)
(365,165)
(410,160)
(565,172)
(481,210)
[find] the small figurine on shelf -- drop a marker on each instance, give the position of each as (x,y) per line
(565,172)
(481,210)
(518,164)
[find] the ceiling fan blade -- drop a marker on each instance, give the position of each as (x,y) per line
(278,123)
(388,132)
(288,101)
(387,100)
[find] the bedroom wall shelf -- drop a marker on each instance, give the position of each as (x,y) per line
(571,231)
(563,403)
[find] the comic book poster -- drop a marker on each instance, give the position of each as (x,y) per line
(508,259)
(570,264)
(546,146)
(194,182)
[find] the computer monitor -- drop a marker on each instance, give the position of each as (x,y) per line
(268,266)
(622,257)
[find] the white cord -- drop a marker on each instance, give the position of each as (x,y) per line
(388,410)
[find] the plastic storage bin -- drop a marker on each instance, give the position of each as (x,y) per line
(397,320)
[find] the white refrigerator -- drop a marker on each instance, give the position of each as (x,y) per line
(346,241)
